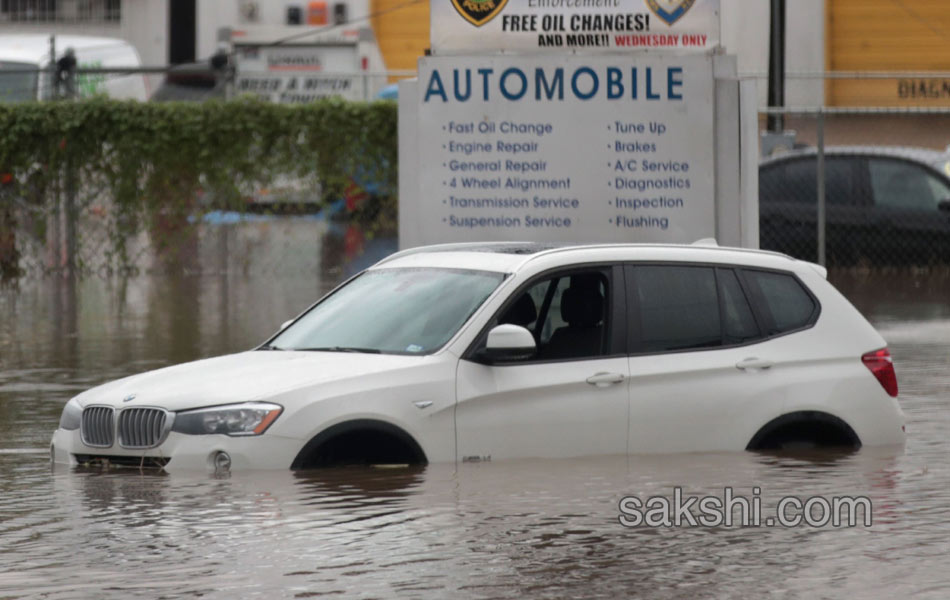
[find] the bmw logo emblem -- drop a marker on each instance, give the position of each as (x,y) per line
(129,398)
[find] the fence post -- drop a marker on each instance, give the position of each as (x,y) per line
(53,91)
(821,187)
(70,215)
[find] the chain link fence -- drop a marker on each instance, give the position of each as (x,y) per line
(55,236)
(57,218)
(851,187)
(191,82)
(292,231)
(864,188)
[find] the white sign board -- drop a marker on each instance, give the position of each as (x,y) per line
(574,148)
(480,26)
(298,74)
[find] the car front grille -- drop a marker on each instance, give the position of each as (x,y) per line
(142,427)
(97,427)
(137,462)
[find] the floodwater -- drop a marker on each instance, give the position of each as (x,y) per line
(521,529)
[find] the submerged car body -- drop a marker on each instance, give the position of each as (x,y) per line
(482,352)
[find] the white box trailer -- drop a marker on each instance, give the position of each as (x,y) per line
(287,65)
(25,66)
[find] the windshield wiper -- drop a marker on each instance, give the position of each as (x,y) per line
(341,349)
(269,347)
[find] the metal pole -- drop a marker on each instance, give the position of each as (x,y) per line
(71,216)
(53,89)
(776,122)
(54,232)
(821,188)
(52,93)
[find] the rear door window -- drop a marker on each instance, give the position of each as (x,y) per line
(678,308)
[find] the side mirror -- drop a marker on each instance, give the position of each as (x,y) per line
(509,342)
(284,325)
(944,205)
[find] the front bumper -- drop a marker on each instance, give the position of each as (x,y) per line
(187,452)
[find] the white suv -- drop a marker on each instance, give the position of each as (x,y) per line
(482,352)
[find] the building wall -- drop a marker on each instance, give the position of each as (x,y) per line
(212,15)
(893,36)
(144,23)
(884,35)
(402,31)
(745,33)
(215,14)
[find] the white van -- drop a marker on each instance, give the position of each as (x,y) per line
(31,53)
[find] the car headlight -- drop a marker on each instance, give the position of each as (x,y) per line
(71,417)
(250,418)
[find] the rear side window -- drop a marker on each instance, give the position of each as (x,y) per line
(684,307)
(782,301)
(904,185)
(738,322)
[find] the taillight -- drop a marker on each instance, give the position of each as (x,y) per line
(881,365)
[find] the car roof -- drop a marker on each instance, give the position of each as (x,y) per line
(34,47)
(510,257)
(926,156)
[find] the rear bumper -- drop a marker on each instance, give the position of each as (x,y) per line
(882,424)
(186,452)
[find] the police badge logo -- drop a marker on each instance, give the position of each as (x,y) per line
(670,10)
(479,12)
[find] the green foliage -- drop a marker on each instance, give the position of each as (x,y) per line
(151,166)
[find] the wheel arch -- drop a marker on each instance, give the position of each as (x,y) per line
(820,422)
(358,426)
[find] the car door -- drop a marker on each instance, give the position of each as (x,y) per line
(911,215)
(705,368)
(788,199)
(787,208)
(570,399)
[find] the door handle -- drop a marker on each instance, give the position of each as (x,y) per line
(603,380)
(753,363)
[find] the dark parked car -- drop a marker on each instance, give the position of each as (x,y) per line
(190,82)
(885,205)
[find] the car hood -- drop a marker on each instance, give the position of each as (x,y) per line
(254,375)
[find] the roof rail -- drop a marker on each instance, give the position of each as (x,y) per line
(457,246)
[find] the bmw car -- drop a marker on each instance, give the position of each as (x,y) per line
(487,352)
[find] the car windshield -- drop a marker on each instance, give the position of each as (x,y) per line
(17,81)
(392,311)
